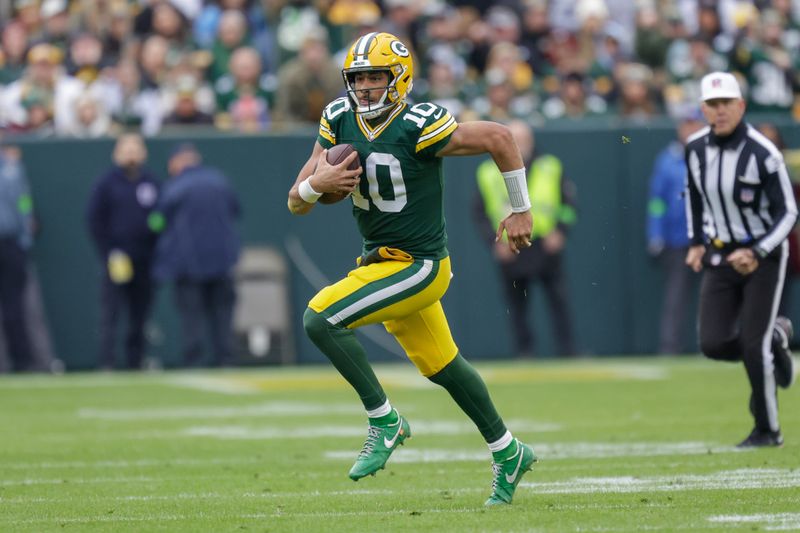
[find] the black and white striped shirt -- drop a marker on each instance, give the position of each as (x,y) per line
(739,192)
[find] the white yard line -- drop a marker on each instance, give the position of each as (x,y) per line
(555,451)
(768,522)
(136,463)
(191,412)
(121,518)
(745,478)
(236,432)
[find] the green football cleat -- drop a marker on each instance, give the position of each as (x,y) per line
(508,474)
(381,442)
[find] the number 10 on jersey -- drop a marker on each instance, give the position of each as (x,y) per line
(375,160)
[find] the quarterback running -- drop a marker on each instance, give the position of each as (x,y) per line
(404,267)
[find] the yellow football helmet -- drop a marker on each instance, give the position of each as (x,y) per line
(379,51)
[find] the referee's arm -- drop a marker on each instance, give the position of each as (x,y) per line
(782,206)
(694,217)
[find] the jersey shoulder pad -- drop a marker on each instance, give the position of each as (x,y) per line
(432,123)
(331,115)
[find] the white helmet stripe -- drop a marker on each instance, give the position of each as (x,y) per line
(361,48)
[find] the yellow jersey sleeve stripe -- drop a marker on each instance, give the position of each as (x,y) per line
(435,126)
(327,134)
(436,136)
(324,123)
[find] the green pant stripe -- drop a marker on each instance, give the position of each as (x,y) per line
(387,288)
(371,288)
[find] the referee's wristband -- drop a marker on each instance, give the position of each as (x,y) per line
(306,192)
(517,187)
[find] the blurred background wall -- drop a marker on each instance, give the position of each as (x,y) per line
(615,287)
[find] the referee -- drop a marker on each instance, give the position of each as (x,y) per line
(741,208)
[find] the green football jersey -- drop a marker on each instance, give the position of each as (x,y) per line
(400,200)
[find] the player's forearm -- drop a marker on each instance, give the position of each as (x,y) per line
(501,146)
(298,206)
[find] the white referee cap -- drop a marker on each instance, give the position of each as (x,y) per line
(719,85)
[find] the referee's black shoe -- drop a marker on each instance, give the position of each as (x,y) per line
(784,362)
(760,439)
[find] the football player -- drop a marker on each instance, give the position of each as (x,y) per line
(404,269)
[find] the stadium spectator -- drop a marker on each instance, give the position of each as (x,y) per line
(445,84)
(243,95)
(197,251)
(637,98)
(402,18)
(667,237)
(154,62)
(131,103)
(553,210)
(768,66)
(537,36)
(556,37)
(186,111)
(231,35)
(92,119)
(85,59)
(118,217)
(296,19)
(28,13)
(307,83)
(16,237)
(572,102)
(687,61)
(738,238)
(57,29)
(13,47)
(43,87)
(500,103)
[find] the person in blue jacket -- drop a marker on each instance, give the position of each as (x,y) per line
(16,236)
(667,236)
(197,251)
(118,216)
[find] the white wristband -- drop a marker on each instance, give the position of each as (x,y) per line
(517,187)
(306,192)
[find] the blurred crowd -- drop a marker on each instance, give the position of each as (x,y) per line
(90,68)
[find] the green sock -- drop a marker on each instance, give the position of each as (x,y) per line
(385,420)
(469,391)
(347,355)
(506,452)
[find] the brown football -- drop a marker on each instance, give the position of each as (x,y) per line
(337,154)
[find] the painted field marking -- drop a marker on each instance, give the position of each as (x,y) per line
(556,451)
(745,478)
(406,377)
(189,412)
(135,463)
(768,522)
(339,430)
(122,518)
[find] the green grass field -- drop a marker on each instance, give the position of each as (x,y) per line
(625,444)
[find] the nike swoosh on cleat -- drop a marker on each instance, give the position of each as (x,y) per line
(513,476)
(389,443)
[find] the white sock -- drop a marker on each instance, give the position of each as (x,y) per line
(383,410)
(502,443)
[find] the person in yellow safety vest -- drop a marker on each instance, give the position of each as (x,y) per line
(553,210)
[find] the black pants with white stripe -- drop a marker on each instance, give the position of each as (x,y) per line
(737,315)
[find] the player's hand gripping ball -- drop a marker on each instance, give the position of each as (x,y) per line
(336,155)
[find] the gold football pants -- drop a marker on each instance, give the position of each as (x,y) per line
(405,296)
